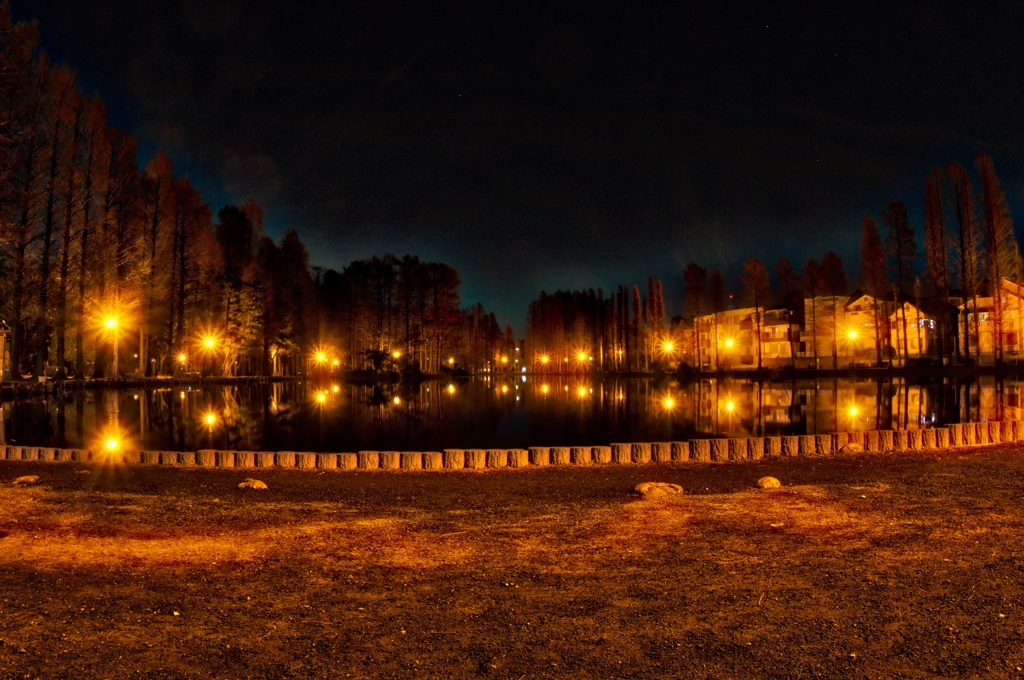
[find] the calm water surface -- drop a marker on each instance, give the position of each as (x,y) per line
(498,413)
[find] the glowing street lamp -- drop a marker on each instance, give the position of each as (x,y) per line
(209,419)
(396,354)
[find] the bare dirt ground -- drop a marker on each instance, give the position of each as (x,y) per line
(868,566)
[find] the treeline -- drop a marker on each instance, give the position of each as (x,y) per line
(970,248)
(90,248)
(625,331)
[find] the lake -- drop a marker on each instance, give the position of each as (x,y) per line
(511,412)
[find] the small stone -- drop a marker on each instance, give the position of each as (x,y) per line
(251,483)
(27,479)
(769,483)
(84,472)
(654,489)
(852,447)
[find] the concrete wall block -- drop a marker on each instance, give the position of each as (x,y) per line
(348,461)
(700,450)
(967,432)
(641,453)
(540,455)
(900,440)
(64,455)
(390,460)
(206,457)
(773,447)
(47,454)
(915,440)
(719,449)
(1006,431)
(476,459)
(263,459)
(285,459)
(807,446)
(10,453)
(856,437)
(823,444)
(839,440)
(681,452)
(928,439)
(245,459)
(941,437)
(791,445)
(225,459)
(327,461)
(433,460)
(981,434)
(305,460)
(601,454)
(518,458)
(995,432)
(454,459)
(559,455)
(149,457)
(411,460)
(622,453)
(872,441)
(956,434)
(168,457)
(1016,430)
(369,460)
(755,448)
(737,448)
(580,455)
(29,453)
(188,458)
(886,440)
(497,458)
(661,452)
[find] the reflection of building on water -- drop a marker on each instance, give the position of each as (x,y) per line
(500,413)
(986,398)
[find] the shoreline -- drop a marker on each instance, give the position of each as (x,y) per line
(735,449)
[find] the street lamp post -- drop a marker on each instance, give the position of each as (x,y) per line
(111,324)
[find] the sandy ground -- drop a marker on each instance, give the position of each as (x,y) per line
(867,566)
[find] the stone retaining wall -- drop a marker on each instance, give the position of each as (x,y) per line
(633,453)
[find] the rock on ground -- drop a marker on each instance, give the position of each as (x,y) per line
(769,483)
(655,489)
(27,479)
(852,447)
(251,483)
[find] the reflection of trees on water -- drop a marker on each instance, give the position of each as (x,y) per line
(501,411)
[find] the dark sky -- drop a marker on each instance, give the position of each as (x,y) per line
(558,145)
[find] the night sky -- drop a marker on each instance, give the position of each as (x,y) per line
(553,145)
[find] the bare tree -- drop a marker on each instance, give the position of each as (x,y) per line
(1001,244)
(872,261)
(695,280)
(958,204)
(938,243)
(758,289)
(902,253)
